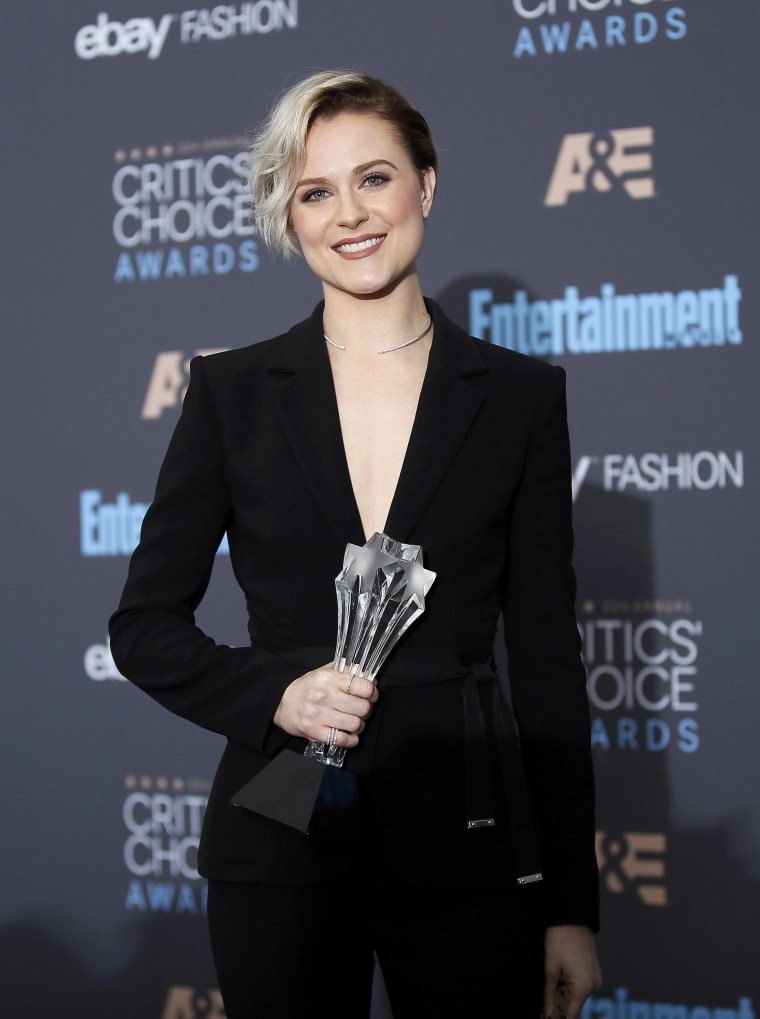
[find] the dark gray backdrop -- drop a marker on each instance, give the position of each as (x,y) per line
(642,114)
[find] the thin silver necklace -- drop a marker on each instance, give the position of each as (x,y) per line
(387,350)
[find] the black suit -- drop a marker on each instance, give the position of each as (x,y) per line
(485,490)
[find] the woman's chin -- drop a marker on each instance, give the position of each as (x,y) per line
(370,284)
(364,288)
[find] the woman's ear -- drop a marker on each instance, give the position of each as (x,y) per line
(427,190)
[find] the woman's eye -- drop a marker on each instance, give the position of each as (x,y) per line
(315,195)
(375,179)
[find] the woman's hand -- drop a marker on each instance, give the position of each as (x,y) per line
(571,966)
(320,700)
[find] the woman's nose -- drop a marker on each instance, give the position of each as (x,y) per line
(352,211)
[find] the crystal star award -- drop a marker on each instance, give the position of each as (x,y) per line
(380,591)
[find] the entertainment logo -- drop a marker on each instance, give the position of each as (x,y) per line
(603,162)
(187,215)
(108,38)
(551,36)
(611,322)
(622,1006)
(163,818)
(113,528)
(642,672)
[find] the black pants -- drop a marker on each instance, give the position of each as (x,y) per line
(285,952)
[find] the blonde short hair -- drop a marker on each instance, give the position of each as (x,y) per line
(278,151)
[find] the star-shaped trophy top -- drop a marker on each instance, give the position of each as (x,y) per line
(363,563)
(417,581)
(397,549)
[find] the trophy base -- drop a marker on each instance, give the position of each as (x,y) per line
(321,752)
(302,793)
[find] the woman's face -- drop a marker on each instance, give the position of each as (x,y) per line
(357,209)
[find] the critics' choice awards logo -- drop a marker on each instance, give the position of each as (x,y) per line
(185,216)
(163,819)
(633,862)
(602,162)
(622,1006)
(550,27)
(642,679)
(660,472)
(113,528)
(111,38)
(610,322)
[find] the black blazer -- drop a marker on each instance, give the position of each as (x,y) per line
(485,490)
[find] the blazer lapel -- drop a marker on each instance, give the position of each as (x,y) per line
(447,407)
(308,411)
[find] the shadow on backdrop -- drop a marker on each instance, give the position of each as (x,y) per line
(647,866)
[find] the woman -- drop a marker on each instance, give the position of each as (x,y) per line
(378,414)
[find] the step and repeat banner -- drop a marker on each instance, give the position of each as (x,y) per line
(596,207)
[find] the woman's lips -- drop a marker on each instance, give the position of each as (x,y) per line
(360,247)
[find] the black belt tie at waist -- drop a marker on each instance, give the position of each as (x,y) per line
(476,670)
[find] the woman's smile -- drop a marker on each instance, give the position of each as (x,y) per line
(360,247)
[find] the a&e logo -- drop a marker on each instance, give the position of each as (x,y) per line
(603,162)
(168,381)
(633,862)
(189,1003)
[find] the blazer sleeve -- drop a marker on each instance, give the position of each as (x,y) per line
(155,643)
(547,676)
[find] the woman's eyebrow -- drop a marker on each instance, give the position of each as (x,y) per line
(356,172)
(373,162)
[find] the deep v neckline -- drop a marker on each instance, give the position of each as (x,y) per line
(405,458)
(307,409)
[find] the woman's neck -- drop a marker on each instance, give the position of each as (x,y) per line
(366,325)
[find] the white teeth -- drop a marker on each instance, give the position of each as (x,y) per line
(360,245)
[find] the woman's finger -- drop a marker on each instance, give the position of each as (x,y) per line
(334,734)
(352,724)
(356,707)
(358,686)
